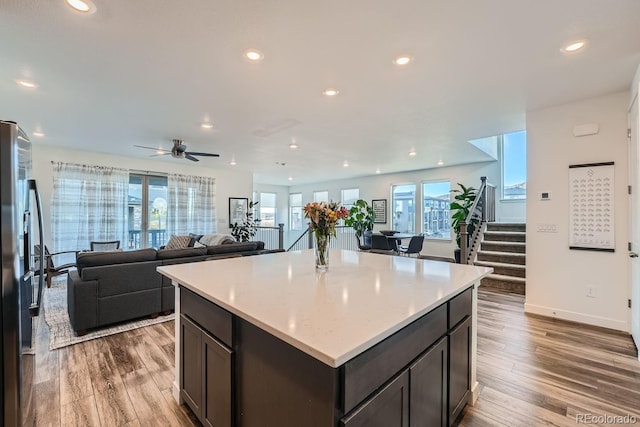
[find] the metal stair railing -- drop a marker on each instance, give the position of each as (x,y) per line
(483,210)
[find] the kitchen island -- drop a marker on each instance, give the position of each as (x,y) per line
(376,340)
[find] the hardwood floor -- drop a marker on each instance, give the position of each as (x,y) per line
(537,371)
(533,371)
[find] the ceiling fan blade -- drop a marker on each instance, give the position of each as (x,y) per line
(193,153)
(161,154)
(153,148)
(190,157)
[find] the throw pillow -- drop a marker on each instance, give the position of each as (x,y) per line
(216,239)
(194,238)
(199,245)
(178,242)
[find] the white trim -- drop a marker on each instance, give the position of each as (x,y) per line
(573,316)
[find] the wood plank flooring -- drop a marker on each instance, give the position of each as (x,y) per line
(537,371)
(533,371)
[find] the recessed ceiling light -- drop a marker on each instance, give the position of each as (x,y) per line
(402,60)
(293,144)
(290,178)
(38,134)
(440,163)
(331,92)
(27,83)
(232,162)
(206,125)
(253,55)
(412,153)
(345,164)
(84,6)
(378,170)
(574,46)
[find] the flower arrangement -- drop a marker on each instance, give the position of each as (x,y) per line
(324,217)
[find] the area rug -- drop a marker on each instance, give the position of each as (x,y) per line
(56,316)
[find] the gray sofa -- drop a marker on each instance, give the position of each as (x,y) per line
(112,287)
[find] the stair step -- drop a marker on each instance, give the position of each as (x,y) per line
(495,246)
(502,257)
(505,236)
(507,226)
(504,269)
(513,284)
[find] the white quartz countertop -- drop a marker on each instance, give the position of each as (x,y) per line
(332,316)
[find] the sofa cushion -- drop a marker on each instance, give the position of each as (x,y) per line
(181,253)
(94,259)
(232,247)
(194,239)
(177,242)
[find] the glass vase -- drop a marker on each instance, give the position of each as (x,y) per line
(322,252)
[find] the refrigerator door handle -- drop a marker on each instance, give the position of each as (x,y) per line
(34,309)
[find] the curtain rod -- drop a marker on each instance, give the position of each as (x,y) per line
(135,171)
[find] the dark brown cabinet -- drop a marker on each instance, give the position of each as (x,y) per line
(428,391)
(206,375)
(387,408)
(459,367)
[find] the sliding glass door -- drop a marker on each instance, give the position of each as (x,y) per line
(147,202)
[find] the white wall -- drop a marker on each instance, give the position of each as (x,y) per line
(229,183)
(557,277)
(379,187)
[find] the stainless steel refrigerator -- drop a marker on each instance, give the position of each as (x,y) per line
(22,276)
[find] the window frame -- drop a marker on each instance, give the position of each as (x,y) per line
(291,206)
(447,209)
(274,207)
(502,173)
(416,211)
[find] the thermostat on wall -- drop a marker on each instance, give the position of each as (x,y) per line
(545,195)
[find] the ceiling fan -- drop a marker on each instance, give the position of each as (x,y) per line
(178,151)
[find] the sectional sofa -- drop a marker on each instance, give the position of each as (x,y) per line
(112,287)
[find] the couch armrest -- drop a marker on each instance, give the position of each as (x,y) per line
(82,301)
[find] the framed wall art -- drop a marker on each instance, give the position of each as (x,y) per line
(238,207)
(591,207)
(380,209)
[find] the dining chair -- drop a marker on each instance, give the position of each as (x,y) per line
(112,245)
(50,268)
(380,242)
(414,246)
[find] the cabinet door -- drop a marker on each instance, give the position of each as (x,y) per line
(459,368)
(387,408)
(217,384)
(428,391)
(191,364)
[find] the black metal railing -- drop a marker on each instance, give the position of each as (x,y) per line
(483,210)
(344,239)
(155,239)
(273,237)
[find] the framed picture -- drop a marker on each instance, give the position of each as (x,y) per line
(237,210)
(380,209)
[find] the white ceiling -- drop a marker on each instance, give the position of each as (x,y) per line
(147,71)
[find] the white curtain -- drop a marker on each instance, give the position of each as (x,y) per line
(191,205)
(88,203)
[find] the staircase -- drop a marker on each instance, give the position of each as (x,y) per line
(503,248)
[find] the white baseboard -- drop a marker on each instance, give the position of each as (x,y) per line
(475,393)
(603,322)
(176,393)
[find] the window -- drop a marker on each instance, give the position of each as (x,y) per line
(403,208)
(436,197)
(320,196)
(514,166)
(147,211)
(267,210)
(295,211)
(349,197)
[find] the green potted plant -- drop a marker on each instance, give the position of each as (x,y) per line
(245,230)
(361,217)
(460,208)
